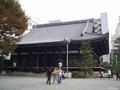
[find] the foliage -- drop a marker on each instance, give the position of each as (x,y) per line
(115,64)
(105,64)
(13,22)
(88,57)
(117,50)
(78,75)
(82,74)
(115,67)
(89,60)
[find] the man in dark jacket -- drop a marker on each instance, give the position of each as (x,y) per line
(48,74)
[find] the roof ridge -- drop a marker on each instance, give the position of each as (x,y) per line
(62,23)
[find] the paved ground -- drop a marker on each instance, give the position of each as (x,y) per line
(36,83)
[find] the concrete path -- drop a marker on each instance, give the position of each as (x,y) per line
(36,83)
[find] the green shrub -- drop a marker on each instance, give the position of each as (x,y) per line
(78,75)
(91,72)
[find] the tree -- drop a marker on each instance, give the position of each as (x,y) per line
(116,56)
(13,22)
(86,50)
(105,64)
(117,50)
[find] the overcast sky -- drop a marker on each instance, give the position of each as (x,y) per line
(42,11)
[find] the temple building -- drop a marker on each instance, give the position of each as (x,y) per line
(47,44)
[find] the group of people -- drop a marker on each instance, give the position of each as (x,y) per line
(109,74)
(57,74)
(106,75)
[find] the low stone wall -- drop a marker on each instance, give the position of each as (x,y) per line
(68,74)
(3,73)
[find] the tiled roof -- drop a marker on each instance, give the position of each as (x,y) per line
(55,32)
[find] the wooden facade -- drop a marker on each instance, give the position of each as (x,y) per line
(36,56)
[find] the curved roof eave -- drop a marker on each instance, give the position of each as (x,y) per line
(72,40)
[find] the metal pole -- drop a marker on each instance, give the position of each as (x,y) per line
(37,61)
(67,57)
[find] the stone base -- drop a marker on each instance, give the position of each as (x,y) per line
(68,75)
(3,72)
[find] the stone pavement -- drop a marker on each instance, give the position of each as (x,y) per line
(36,83)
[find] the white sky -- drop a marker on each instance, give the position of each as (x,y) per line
(42,11)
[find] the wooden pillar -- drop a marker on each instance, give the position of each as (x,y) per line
(19,59)
(79,57)
(37,61)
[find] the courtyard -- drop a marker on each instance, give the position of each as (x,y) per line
(39,83)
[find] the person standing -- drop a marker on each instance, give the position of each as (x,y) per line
(48,74)
(117,76)
(59,65)
(109,73)
(59,75)
(102,74)
(14,65)
(55,75)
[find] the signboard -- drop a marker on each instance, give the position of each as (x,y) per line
(7,57)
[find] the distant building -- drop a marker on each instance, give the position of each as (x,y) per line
(104,21)
(106,58)
(114,37)
(45,44)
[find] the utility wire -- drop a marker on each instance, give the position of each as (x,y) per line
(32,21)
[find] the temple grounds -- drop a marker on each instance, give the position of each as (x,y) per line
(39,83)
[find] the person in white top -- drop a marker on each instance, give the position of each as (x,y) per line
(60,65)
(102,74)
(109,73)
